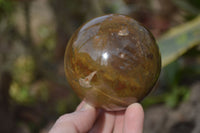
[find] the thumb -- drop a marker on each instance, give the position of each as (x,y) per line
(81,120)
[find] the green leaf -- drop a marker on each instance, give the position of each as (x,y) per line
(177,95)
(179,40)
(187,6)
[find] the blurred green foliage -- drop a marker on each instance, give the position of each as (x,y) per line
(175,78)
(173,45)
(6,7)
(192,7)
(174,91)
(48,43)
(22,90)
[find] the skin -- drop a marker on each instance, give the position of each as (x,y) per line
(89,119)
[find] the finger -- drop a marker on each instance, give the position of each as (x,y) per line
(134,117)
(104,123)
(76,122)
(119,122)
(80,105)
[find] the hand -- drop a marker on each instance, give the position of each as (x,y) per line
(88,119)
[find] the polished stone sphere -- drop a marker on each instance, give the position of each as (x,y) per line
(112,61)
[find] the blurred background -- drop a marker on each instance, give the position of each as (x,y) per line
(33,36)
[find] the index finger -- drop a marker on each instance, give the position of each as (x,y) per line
(134,118)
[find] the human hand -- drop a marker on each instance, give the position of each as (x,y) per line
(88,119)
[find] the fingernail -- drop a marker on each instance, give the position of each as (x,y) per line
(80,105)
(86,107)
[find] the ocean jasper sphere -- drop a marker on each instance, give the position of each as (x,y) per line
(112,61)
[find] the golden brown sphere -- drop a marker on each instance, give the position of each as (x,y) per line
(112,61)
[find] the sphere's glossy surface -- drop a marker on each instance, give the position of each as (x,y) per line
(112,61)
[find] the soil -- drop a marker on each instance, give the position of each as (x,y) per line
(183,119)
